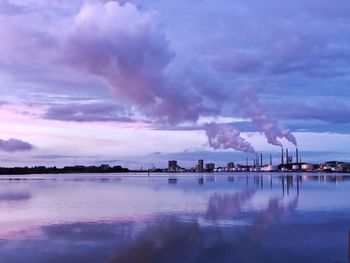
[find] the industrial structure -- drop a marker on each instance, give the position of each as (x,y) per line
(172,166)
(210,167)
(200,166)
(289,162)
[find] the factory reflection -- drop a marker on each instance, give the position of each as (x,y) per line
(172,240)
(287,183)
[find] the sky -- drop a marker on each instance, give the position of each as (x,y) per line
(140,82)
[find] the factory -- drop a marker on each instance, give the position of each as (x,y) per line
(289,162)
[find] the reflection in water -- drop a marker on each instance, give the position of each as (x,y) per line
(151,221)
(14,196)
(227,206)
(175,241)
(275,210)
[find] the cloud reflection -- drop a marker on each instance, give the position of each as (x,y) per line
(175,241)
(14,196)
(227,206)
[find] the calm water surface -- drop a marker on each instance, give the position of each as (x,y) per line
(221,217)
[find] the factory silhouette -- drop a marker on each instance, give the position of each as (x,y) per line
(287,163)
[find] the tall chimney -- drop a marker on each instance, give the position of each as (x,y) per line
(261,160)
(287,157)
(270,159)
(282,158)
(297,155)
(246,161)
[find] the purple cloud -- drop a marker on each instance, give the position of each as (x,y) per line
(331,110)
(126,47)
(87,112)
(8,8)
(169,75)
(15,145)
(133,58)
(305,54)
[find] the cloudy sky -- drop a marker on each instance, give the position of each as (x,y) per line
(140,82)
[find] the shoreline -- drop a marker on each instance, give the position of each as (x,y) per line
(140,174)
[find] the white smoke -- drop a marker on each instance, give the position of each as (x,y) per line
(222,136)
(251,108)
(124,46)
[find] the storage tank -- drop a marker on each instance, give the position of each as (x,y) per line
(307,167)
(269,168)
(296,167)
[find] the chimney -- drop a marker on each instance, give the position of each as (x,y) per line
(270,159)
(297,155)
(287,157)
(282,158)
(261,160)
(246,161)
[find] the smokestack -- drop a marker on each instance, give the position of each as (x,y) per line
(261,160)
(246,161)
(282,158)
(287,157)
(297,155)
(254,163)
(270,159)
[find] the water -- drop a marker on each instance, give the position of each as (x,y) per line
(221,217)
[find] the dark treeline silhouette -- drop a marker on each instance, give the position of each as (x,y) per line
(66,169)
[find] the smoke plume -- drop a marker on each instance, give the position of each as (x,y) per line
(222,136)
(250,107)
(125,46)
(122,45)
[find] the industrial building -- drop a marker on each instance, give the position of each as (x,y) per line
(210,167)
(231,166)
(172,166)
(289,163)
(200,166)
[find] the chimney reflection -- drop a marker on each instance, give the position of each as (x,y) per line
(289,183)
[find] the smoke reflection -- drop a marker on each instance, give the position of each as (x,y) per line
(227,206)
(175,241)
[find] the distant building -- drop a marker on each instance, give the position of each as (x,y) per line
(231,166)
(295,167)
(335,166)
(343,167)
(209,167)
(172,166)
(307,167)
(200,166)
(269,168)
